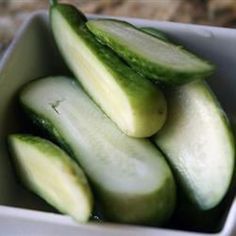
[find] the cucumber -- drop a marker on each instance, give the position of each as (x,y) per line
(130,176)
(136,105)
(153,57)
(49,172)
(155,32)
(198,144)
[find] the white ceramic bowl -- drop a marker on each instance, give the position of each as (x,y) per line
(32,54)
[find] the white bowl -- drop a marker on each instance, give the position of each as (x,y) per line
(33,54)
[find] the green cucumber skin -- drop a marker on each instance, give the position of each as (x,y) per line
(120,207)
(140,92)
(47,126)
(161,139)
(151,70)
(156,33)
(115,207)
(53,152)
(127,204)
(75,17)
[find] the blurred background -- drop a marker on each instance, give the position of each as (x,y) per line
(207,12)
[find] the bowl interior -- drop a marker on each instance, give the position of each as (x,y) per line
(34,55)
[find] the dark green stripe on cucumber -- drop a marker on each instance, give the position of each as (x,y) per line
(156,59)
(131,178)
(135,104)
(49,172)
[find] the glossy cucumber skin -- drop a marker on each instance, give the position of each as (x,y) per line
(146,101)
(164,74)
(60,162)
(105,143)
(188,147)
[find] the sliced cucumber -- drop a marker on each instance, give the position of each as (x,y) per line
(155,32)
(154,58)
(49,172)
(130,176)
(136,105)
(198,143)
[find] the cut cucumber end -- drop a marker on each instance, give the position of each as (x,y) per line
(198,143)
(151,208)
(50,173)
(154,58)
(130,176)
(136,105)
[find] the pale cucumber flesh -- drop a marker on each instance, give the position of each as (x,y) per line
(136,105)
(198,143)
(130,176)
(49,172)
(155,58)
